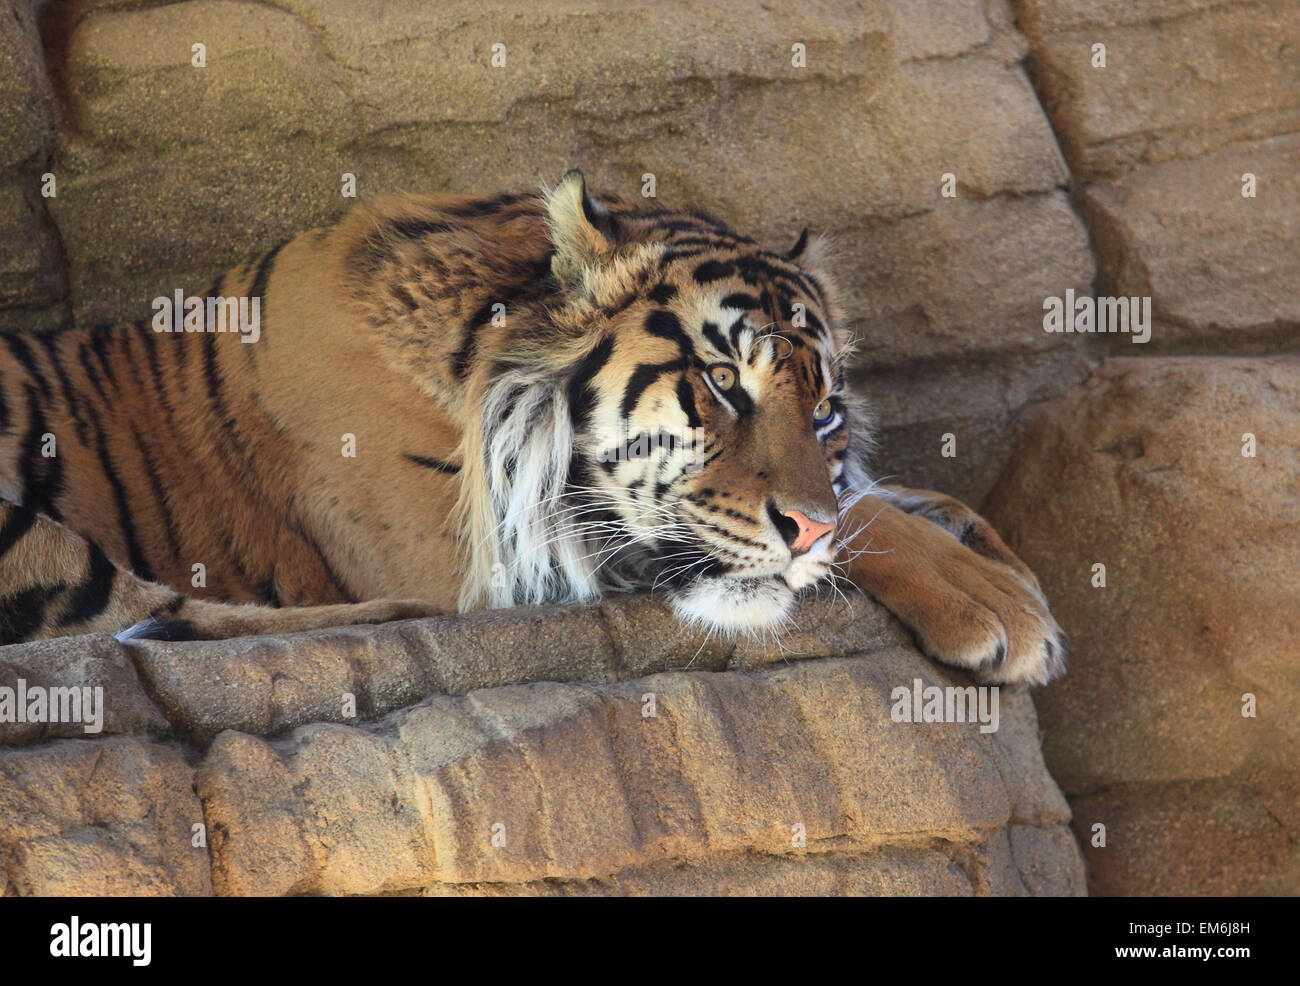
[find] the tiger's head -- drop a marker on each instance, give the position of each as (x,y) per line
(681,422)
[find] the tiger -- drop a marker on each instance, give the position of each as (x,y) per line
(453,403)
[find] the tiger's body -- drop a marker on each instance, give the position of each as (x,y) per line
(458,403)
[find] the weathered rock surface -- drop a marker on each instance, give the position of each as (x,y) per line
(95,818)
(1225,269)
(1181,78)
(33,283)
(576,783)
(1194,97)
(610,750)
(267,685)
(293,97)
(830,873)
(168,173)
(1142,470)
(26,98)
(95,663)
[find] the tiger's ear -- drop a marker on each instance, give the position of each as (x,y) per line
(800,245)
(583,232)
(812,253)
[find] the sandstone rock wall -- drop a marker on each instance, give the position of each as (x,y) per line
(1195,95)
(1117,179)
(1174,733)
(524,752)
(1066,175)
(167,173)
(1176,727)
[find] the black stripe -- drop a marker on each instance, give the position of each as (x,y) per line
(695,222)
(127,356)
(23,353)
(715,336)
(182,352)
(429,463)
(23,613)
(581,394)
(686,398)
(159,495)
(713,270)
(512,398)
(228,434)
(717,238)
(666,325)
(258,289)
(482,207)
(531,286)
(642,377)
(769,266)
(745,302)
(43,481)
(468,337)
(90,598)
(155,369)
(411,228)
(344,592)
(736,328)
(662,293)
(99,339)
(799,244)
(265,591)
(83,357)
(815,285)
(18,522)
(669,256)
(263,276)
(622,303)
(738,397)
(796,340)
(49,341)
(135,552)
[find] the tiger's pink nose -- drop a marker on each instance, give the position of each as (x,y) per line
(809,531)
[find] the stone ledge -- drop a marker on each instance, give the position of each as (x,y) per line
(268,685)
(99,818)
(532,719)
(582,785)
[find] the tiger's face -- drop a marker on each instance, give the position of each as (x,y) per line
(712,426)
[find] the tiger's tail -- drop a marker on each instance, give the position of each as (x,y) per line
(54,583)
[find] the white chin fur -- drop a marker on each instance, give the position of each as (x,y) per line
(733,605)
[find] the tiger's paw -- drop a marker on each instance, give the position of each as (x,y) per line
(949,578)
(980,615)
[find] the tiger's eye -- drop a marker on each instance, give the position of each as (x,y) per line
(724,377)
(823,412)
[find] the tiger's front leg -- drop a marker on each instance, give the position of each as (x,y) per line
(53,582)
(945,573)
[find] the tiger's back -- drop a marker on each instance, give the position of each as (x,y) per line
(279,471)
